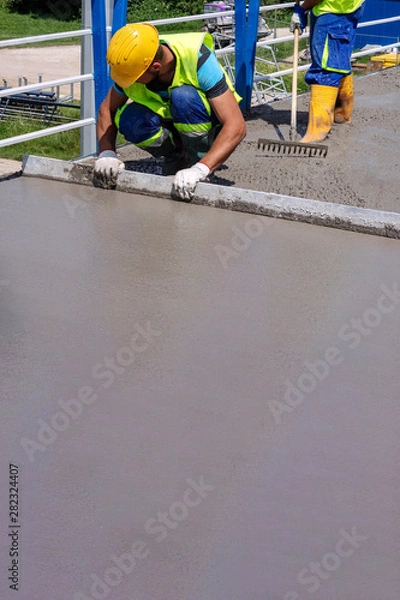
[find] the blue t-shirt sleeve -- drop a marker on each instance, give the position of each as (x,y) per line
(210,74)
(118,89)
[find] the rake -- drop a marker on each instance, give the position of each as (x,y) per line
(293,148)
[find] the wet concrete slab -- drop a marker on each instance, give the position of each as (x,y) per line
(362,165)
(201,404)
(351,218)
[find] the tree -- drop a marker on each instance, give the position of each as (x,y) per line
(154,9)
(64,10)
(187,7)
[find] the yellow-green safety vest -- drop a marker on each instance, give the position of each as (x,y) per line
(186,47)
(341,7)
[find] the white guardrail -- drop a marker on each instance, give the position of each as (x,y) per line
(88,112)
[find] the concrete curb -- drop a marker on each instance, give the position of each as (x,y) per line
(315,212)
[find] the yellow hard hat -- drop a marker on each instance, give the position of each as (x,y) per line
(131,51)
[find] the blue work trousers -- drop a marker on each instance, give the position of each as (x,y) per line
(139,124)
(332,38)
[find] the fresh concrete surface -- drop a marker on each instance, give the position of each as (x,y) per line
(362,167)
(232,198)
(255,358)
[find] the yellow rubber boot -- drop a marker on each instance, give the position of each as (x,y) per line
(345,100)
(320,119)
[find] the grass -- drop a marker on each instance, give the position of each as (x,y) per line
(13,25)
(283,55)
(64,146)
(364,59)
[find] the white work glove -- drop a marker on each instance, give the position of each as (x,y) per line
(186,180)
(299,19)
(107,167)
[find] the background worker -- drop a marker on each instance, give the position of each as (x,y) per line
(333,26)
(181,105)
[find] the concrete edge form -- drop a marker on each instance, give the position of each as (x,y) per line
(315,212)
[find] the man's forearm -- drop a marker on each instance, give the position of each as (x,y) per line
(106,130)
(223,146)
(232,132)
(106,135)
(309,4)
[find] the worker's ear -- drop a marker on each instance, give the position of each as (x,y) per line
(155,66)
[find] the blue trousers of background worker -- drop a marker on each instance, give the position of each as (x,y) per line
(332,40)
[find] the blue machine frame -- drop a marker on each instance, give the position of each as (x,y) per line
(246,19)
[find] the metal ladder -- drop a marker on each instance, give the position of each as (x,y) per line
(265,90)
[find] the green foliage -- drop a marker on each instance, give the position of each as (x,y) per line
(152,10)
(278,18)
(173,8)
(188,7)
(14,25)
(62,10)
(301,84)
(149,10)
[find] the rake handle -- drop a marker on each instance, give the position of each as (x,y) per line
(293,117)
(293,121)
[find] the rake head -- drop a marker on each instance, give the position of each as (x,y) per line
(293,148)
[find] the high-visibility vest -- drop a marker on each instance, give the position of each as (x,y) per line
(186,47)
(343,7)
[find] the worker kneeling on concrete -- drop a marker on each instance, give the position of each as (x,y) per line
(171,98)
(333,26)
